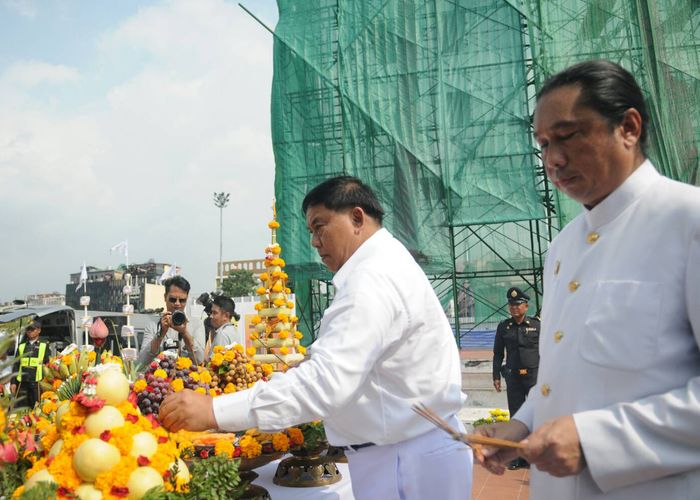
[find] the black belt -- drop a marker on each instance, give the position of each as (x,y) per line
(355,447)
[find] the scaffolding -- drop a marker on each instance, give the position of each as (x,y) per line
(430,103)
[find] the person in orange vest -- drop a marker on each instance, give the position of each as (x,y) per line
(29,365)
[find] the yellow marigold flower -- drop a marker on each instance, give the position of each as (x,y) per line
(261,290)
(277,287)
(280,442)
(294,319)
(140,385)
(48,395)
(205,377)
(249,367)
(48,407)
(229,389)
(218,348)
(284,334)
(194,376)
(295,436)
(250,447)
(239,348)
(160,373)
(287,290)
(276,249)
(92,356)
(213,393)
(298,335)
(273,224)
(67,359)
(284,318)
(279,302)
(255,320)
(177,385)
(183,363)
(201,390)
(277,274)
(217,359)
(229,356)
(267,368)
(301,349)
(290,304)
(251,351)
(264,277)
(56,384)
(258,306)
(224,448)
(278,262)
(284,350)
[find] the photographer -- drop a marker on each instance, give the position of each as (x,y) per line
(174,331)
(222,310)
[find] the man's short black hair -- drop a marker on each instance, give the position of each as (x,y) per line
(342,193)
(226,304)
(607,88)
(179,282)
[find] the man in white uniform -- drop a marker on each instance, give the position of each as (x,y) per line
(384,345)
(222,310)
(615,413)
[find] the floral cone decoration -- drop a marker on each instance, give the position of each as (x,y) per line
(101,444)
(276,336)
(69,364)
(99,332)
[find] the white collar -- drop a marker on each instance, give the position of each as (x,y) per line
(617,201)
(364,251)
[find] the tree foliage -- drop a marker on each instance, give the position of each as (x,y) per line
(239,283)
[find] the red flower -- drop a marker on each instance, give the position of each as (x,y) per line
(91,404)
(49,461)
(120,491)
(142,461)
(204,454)
(132,418)
(154,421)
(64,492)
(167,475)
(8,453)
(237,452)
(162,439)
(133,399)
(78,430)
(106,435)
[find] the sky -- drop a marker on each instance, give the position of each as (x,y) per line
(118,121)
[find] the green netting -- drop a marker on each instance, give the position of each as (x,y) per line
(430,103)
(657,40)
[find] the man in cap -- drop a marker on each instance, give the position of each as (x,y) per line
(519,337)
(31,356)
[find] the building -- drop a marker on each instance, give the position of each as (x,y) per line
(105,287)
(46,299)
(255,266)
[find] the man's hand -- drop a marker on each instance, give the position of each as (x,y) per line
(187,410)
(555,448)
(496,459)
(497,384)
(165,323)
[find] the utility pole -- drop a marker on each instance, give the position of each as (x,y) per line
(220,200)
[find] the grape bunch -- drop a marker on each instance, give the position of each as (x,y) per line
(150,399)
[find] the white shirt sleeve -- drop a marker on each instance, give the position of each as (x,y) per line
(355,331)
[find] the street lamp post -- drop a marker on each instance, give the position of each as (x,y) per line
(221,200)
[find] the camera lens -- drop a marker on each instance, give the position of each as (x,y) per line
(179,318)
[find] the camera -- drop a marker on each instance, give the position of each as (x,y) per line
(179,318)
(207,301)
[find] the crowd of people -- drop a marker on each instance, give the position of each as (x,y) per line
(604,395)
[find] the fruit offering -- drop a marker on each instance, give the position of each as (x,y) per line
(233,370)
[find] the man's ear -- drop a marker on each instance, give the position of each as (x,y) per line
(631,127)
(358,216)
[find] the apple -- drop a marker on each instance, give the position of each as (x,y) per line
(144,444)
(112,386)
(87,491)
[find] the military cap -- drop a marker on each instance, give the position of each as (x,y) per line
(516,296)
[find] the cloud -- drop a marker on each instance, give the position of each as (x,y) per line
(186,114)
(25,8)
(31,73)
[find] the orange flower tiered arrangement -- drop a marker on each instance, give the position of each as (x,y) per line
(275,335)
(101,446)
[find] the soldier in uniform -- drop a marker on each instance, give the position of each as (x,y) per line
(519,337)
(31,356)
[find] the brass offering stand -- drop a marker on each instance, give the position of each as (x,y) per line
(307,468)
(337,454)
